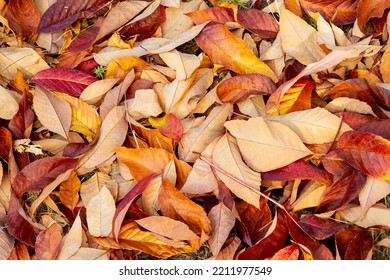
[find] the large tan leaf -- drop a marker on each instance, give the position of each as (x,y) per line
(299,39)
(196,139)
(52,111)
(175,205)
(112,134)
(143,162)
(145,104)
(222,221)
(184,64)
(373,191)
(375,216)
(8,104)
(266,145)
(100,212)
(347,104)
(176,23)
(25,59)
(94,93)
(93,185)
(229,251)
(224,48)
(226,156)
(313,126)
(167,227)
(84,117)
(72,241)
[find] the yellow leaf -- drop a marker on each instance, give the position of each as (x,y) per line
(118,68)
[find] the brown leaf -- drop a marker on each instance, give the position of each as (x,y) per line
(40,173)
(219,44)
(69,191)
(23,17)
(177,206)
(20,252)
(342,191)
(21,123)
(366,152)
(238,88)
(258,22)
(319,228)
(339,12)
(370,9)
(353,243)
(48,242)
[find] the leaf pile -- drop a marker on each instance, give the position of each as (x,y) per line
(260,130)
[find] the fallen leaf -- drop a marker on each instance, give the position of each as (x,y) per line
(48,242)
(353,243)
(373,191)
(291,252)
(369,9)
(219,44)
(222,221)
(184,64)
(168,125)
(71,242)
(52,111)
(258,22)
(23,17)
(8,104)
(385,63)
(366,152)
(69,191)
(96,91)
(319,228)
(7,243)
(69,81)
(144,104)
(376,216)
(266,145)
(214,14)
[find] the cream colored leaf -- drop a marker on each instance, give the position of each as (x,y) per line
(342,104)
(25,59)
(222,221)
(145,104)
(299,39)
(266,145)
(253,106)
(150,197)
(229,251)
(93,185)
(313,126)
(375,216)
(8,104)
(167,227)
(72,241)
(184,64)
(112,134)
(53,112)
(197,139)
(176,23)
(226,156)
(53,145)
(325,32)
(95,92)
(373,191)
(100,212)
(309,197)
(85,253)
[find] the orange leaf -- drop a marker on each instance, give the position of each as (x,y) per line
(216,14)
(291,252)
(368,9)
(366,152)
(118,68)
(23,17)
(143,162)
(69,191)
(226,49)
(48,242)
(238,88)
(175,205)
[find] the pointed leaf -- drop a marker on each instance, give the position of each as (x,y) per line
(353,243)
(214,14)
(69,191)
(53,112)
(369,9)
(8,104)
(373,191)
(342,191)
(291,252)
(65,80)
(319,228)
(169,126)
(72,240)
(258,22)
(22,122)
(48,242)
(40,173)
(175,205)
(266,145)
(366,152)
(238,88)
(23,17)
(219,44)
(6,244)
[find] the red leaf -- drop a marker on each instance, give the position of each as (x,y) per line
(382,95)
(65,12)
(380,128)
(40,173)
(319,228)
(268,246)
(48,242)
(240,87)
(291,252)
(6,143)
(66,80)
(342,191)
(86,37)
(23,17)
(298,170)
(356,120)
(125,203)
(353,243)
(169,126)
(334,164)
(256,220)
(366,152)
(369,9)
(339,12)
(17,225)
(258,22)
(21,123)
(215,14)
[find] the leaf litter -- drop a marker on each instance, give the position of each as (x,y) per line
(194,129)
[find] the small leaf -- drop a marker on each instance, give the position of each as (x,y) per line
(6,244)
(8,104)
(214,14)
(169,126)
(258,22)
(238,88)
(48,242)
(319,228)
(72,240)
(69,191)
(224,48)
(70,81)
(373,191)
(366,152)
(291,252)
